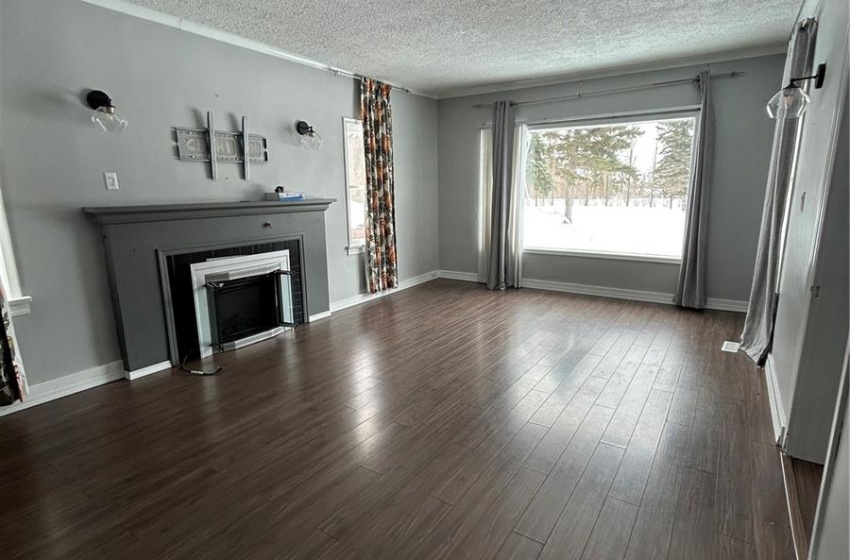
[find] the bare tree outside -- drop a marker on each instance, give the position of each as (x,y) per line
(609,188)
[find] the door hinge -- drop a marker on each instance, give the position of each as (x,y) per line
(815,289)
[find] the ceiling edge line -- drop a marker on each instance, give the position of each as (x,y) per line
(188,26)
(668,64)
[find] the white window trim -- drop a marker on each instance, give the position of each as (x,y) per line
(603,255)
(352,248)
(19,304)
(691,111)
(617,118)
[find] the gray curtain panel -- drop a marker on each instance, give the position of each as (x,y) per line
(761,313)
(505,255)
(690,288)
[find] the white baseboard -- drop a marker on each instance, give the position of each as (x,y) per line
(318,316)
(142,372)
(603,291)
(365,298)
(600,291)
(41,393)
(777,415)
(455,275)
(734,305)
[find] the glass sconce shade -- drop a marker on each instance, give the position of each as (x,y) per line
(789,103)
(310,139)
(105,115)
(109,119)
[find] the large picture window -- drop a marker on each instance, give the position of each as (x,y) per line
(355,184)
(614,188)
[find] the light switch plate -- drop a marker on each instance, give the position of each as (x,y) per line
(110,178)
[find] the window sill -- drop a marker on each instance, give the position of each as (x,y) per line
(19,305)
(359,249)
(603,255)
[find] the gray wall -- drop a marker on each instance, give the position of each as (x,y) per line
(825,338)
(809,337)
(743,141)
(53,158)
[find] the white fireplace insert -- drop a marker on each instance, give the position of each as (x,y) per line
(241,300)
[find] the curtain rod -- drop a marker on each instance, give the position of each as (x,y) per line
(338,72)
(579,95)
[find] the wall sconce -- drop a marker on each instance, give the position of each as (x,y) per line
(105,115)
(310,139)
(791,101)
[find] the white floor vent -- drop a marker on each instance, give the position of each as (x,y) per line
(730,346)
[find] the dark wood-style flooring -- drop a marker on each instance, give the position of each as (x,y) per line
(445,421)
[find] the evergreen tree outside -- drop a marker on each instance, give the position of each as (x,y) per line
(618,188)
(538,176)
(673,172)
(590,160)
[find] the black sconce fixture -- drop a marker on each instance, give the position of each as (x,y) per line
(791,101)
(310,139)
(105,115)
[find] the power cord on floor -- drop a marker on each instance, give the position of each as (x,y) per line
(196,371)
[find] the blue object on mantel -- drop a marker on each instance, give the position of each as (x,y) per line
(285,196)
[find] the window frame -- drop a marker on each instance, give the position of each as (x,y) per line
(352,247)
(19,304)
(613,119)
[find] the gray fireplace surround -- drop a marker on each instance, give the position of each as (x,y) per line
(138,240)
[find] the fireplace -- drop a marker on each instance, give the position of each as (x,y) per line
(150,250)
(227,298)
(240,310)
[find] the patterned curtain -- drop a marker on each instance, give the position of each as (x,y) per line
(376,114)
(12,379)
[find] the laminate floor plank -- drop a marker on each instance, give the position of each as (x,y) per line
(441,421)
(518,547)
(485,539)
(771,528)
(704,452)
(735,475)
(541,516)
(807,477)
(733,549)
(653,526)
(668,373)
(556,440)
(634,470)
(473,507)
(684,406)
(575,525)
(452,489)
(694,532)
(610,535)
(623,423)
(622,378)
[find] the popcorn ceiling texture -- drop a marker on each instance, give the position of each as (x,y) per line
(444,45)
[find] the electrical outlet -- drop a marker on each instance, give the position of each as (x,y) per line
(111,180)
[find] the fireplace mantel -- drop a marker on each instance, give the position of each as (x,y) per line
(138,240)
(166,212)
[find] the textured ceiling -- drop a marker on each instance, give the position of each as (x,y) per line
(441,46)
